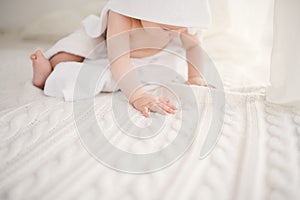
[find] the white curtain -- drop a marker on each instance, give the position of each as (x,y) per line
(285,65)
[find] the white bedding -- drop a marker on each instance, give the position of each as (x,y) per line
(257,156)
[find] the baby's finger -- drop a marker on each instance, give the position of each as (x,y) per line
(145,112)
(158,109)
(172,106)
(166,108)
(164,100)
(168,104)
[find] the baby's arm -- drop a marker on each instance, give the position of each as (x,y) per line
(118,49)
(194,56)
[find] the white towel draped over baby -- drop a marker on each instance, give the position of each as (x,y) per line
(89,43)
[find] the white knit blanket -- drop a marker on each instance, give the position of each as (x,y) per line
(42,157)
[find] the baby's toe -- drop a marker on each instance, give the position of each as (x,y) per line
(39,54)
(33,57)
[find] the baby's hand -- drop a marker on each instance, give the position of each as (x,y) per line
(147,102)
(198,81)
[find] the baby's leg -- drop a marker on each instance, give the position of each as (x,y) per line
(64,57)
(42,67)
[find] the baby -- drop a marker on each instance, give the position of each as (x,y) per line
(156,34)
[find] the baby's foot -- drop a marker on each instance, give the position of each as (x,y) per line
(41,69)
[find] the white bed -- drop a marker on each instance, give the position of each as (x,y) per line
(42,157)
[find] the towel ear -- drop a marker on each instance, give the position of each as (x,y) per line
(93,26)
